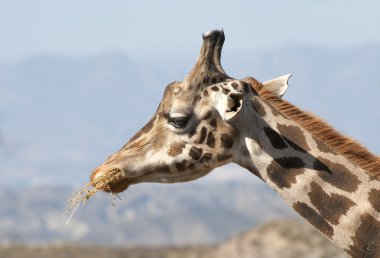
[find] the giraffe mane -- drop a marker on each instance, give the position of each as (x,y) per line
(343,145)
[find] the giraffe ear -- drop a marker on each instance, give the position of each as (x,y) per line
(278,85)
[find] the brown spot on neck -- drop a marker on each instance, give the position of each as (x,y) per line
(322,146)
(275,139)
(314,218)
(366,241)
(294,136)
(283,171)
(331,207)
(338,176)
(374,198)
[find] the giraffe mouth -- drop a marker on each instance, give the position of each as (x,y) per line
(112,181)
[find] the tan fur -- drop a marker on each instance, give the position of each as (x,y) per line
(339,143)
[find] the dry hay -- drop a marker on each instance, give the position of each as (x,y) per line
(89,190)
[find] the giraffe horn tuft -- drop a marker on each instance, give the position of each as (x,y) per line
(208,67)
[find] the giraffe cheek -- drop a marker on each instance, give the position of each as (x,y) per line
(176,149)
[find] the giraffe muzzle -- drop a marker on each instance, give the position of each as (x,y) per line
(111,180)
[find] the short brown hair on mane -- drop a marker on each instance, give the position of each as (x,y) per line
(321,130)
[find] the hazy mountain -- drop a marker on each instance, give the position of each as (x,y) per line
(279,238)
(150,214)
(60,117)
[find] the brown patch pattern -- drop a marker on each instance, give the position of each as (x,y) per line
(338,176)
(181,165)
(374,198)
(283,171)
(226,141)
(318,165)
(330,207)
(214,88)
(195,153)
(340,144)
(275,139)
(202,135)
(211,140)
(175,149)
(314,218)
(205,159)
(294,136)
(321,145)
(366,242)
(225,91)
(213,123)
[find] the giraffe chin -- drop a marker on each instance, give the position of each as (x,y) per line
(117,187)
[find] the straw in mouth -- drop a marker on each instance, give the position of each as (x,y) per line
(102,182)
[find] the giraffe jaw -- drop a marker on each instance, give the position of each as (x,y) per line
(115,181)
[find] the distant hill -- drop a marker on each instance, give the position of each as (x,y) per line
(279,238)
(60,117)
(149,214)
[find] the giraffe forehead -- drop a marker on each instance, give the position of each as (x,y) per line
(181,98)
(177,98)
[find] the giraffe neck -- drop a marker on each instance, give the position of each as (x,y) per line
(340,199)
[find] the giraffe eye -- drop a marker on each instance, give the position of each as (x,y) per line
(178,122)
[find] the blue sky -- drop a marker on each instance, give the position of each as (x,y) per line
(83,27)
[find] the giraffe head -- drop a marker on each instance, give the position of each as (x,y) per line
(194,128)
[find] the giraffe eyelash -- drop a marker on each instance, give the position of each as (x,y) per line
(178,122)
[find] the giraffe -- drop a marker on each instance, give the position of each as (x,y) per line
(210,119)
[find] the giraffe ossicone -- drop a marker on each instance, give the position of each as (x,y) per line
(210,119)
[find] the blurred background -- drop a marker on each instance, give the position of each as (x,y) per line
(79,78)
